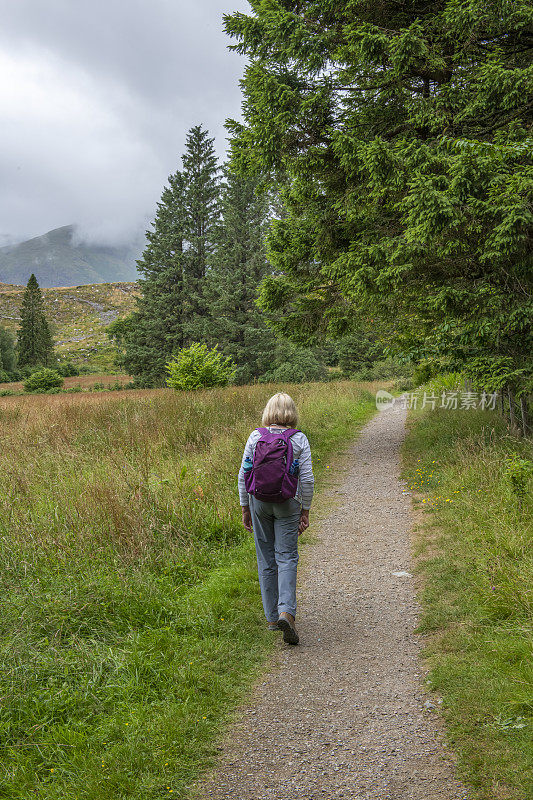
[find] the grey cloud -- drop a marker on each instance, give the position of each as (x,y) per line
(97,98)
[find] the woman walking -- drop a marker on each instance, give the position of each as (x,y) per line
(275,490)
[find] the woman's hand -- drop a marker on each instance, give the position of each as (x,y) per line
(304,521)
(247,518)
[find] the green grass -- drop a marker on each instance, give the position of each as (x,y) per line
(130,619)
(475,558)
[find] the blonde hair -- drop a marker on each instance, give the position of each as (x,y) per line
(281,410)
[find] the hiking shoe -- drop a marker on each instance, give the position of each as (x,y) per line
(273,626)
(286,624)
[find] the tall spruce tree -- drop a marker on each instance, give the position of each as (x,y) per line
(155,329)
(237,266)
(202,198)
(402,133)
(34,346)
(170,311)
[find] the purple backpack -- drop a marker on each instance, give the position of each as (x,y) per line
(269,478)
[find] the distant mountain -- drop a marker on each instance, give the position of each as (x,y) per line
(57,261)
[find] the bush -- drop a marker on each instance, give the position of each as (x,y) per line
(197,367)
(446,382)
(43,380)
(295,365)
(68,370)
(145,382)
(29,369)
(403,384)
(4,376)
(6,393)
(73,390)
(426,370)
(382,370)
(358,352)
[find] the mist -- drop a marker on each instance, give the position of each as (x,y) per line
(96,105)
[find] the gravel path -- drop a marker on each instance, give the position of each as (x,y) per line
(344,714)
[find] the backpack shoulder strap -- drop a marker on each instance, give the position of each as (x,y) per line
(289,432)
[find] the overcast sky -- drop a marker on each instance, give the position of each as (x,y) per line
(96,97)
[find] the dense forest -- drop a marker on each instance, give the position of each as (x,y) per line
(398,136)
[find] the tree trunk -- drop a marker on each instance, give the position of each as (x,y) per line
(524,412)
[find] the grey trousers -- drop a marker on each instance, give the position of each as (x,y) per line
(276,545)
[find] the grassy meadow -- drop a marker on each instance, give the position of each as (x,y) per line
(83,382)
(130,620)
(474,548)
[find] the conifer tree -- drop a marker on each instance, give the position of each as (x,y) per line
(237,266)
(155,329)
(35,346)
(402,134)
(172,307)
(202,196)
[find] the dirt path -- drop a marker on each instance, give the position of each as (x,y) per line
(344,714)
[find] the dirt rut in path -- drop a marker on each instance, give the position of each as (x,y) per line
(344,714)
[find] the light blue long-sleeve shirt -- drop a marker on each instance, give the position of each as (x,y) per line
(301,451)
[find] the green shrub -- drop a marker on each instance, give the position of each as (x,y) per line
(6,392)
(68,369)
(357,352)
(426,370)
(381,370)
(403,384)
(4,376)
(73,390)
(43,380)
(518,472)
(295,365)
(29,369)
(446,382)
(197,367)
